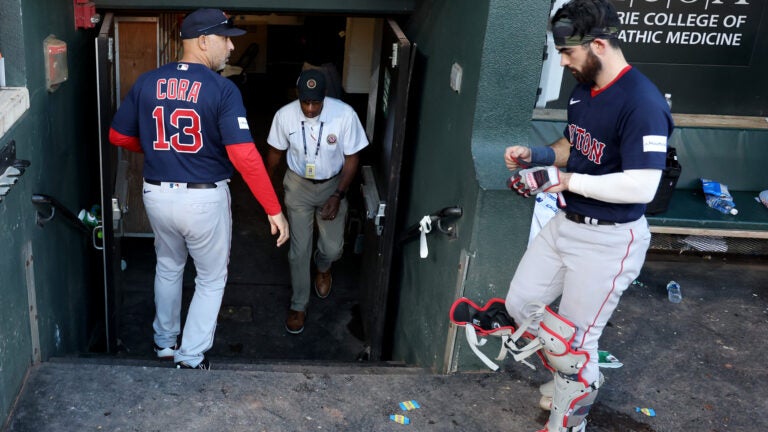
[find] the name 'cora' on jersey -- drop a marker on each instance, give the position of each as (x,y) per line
(177,89)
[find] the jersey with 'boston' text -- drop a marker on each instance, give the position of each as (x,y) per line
(184,115)
(623,126)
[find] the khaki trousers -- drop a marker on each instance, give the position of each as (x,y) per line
(303,201)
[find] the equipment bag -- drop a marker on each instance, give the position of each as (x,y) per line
(667,184)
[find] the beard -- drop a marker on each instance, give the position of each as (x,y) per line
(590,70)
(222,65)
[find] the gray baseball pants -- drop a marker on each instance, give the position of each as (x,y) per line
(196,223)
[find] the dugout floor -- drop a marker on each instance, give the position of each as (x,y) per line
(699,365)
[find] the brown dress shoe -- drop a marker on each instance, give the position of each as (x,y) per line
(323,284)
(295,322)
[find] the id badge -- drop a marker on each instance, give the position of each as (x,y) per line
(309,171)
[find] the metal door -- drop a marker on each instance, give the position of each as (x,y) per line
(381,184)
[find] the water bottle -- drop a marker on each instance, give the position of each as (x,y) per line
(88,218)
(673,292)
(725,206)
(668,98)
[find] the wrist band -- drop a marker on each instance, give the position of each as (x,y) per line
(542,155)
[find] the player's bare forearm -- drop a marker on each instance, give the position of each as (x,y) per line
(562,148)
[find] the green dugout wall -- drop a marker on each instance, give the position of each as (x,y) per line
(47,287)
(457,160)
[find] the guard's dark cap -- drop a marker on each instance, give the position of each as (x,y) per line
(311,85)
(208,22)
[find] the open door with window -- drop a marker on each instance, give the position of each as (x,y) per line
(381,183)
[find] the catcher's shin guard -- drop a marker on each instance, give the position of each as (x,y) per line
(571,403)
(572,397)
(547,391)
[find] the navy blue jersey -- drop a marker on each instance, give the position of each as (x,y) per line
(623,126)
(184,114)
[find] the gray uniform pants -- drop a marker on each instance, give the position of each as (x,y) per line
(589,266)
(198,223)
(303,202)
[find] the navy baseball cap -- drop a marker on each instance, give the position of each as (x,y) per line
(208,22)
(311,85)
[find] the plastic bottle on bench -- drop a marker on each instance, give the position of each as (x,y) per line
(722,205)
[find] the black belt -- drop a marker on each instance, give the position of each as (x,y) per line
(314,181)
(575,217)
(189,185)
(318,181)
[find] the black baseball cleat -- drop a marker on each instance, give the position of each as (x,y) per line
(203,365)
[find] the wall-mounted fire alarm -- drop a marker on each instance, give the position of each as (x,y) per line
(56,72)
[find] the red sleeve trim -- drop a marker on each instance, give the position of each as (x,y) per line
(125,141)
(249,163)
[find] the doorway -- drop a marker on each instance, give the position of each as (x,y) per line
(251,321)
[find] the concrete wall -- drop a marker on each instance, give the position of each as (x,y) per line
(456,159)
(57,135)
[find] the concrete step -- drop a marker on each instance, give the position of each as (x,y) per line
(95,394)
(287,366)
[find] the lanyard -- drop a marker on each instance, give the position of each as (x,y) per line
(304,137)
